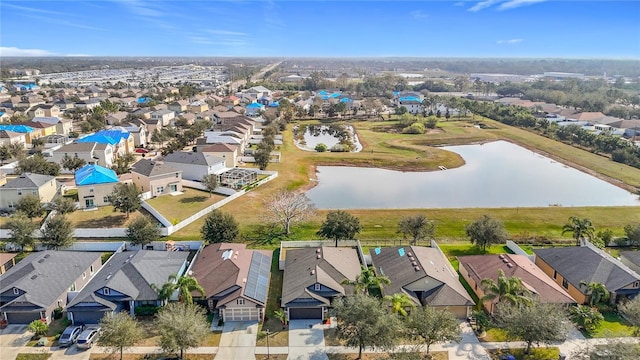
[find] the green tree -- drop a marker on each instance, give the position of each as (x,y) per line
(125,198)
(633,234)
(57,233)
(631,311)
(4,154)
(586,316)
(597,292)
(416,228)
(339,225)
(399,303)
(72,163)
(30,205)
(120,331)
(166,290)
(187,285)
(262,154)
(286,208)
(219,227)
(37,143)
(21,231)
(38,327)
(210,182)
(181,326)
(321,147)
(433,326)
(580,228)
(142,231)
(367,280)
(507,289)
(539,323)
(37,164)
(486,231)
(63,205)
(365,321)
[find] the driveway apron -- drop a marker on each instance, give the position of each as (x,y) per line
(238,341)
(306,340)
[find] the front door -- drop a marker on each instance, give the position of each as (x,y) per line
(88,203)
(173,187)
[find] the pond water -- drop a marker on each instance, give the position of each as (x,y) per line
(497,174)
(328,135)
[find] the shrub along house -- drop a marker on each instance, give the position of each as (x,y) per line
(425,275)
(235,280)
(42,282)
(125,282)
(313,278)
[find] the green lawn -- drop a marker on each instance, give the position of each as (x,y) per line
(612,326)
(495,335)
(104,217)
(179,207)
(34,356)
(278,334)
(535,354)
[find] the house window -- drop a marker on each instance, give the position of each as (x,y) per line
(91,269)
(240,301)
(177,174)
(317,287)
(106,291)
(19,191)
(555,274)
(16,291)
(565,283)
(636,284)
(160,189)
(91,190)
(105,199)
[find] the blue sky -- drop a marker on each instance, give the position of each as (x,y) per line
(489,28)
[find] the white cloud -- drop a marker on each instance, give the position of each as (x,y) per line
(63,22)
(14,51)
(512,4)
(509,42)
(418,14)
(483,5)
(459,3)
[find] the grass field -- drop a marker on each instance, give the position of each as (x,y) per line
(414,153)
(535,353)
(32,356)
(612,326)
(179,207)
(104,217)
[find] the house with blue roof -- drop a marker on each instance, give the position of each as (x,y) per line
(94,183)
(412,101)
(120,139)
(254,109)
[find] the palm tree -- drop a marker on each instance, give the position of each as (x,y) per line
(580,228)
(597,292)
(187,285)
(367,280)
(166,290)
(508,289)
(399,303)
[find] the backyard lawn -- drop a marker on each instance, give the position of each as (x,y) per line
(179,207)
(612,326)
(104,217)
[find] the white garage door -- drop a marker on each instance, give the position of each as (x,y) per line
(241,314)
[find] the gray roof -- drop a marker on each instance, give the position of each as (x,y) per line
(582,263)
(405,266)
(328,266)
(76,147)
(132,273)
(192,158)
(45,276)
(28,181)
(149,168)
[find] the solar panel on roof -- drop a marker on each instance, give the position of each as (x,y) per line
(401,251)
(377,250)
(258,278)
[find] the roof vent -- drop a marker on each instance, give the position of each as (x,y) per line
(505,260)
(109,276)
(417,268)
(34,277)
(509,265)
(411,258)
(501,256)
(40,261)
(47,255)
(409,254)
(414,263)
(313,272)
(318,256)
(377,250)
(401,251)
(318,250)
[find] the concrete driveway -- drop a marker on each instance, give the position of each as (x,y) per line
(238,341)
(306,340)
(12,339)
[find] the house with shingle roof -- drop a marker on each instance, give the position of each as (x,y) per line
(476,268)
(195,165)
(157,177)
(571,266)
(94,183)
(227,152)
(313,277)
(43,186)
(41,282)
(8,137)
(125,282)
(235,280)
(7,261)
(90,152)
(423,274)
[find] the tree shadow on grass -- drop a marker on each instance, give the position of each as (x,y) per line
(194,199)
(110,221)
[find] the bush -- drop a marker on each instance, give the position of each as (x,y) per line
(57,313)
(415,128)
(321,147)
(146,310)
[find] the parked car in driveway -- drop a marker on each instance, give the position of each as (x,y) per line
(69,335)
(88,338)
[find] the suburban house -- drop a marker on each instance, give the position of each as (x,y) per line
(139,133)
(28,131)
(254,109)
(116,117)
(220,150)
(198,106)
(41,282)
(7,261)
(571,266)
(120,139)
(195,165)
(94,184)
(235,280)
(50,110)
(425,275)
(65,104)
(164,116)
(313,278)
(90,152)
(44,186)
(125,282)
(8,137)
(45,128)
(88,104)
(63,126)
(631,259)
(156,177)
(179,106)
(230,101)
(476,268)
